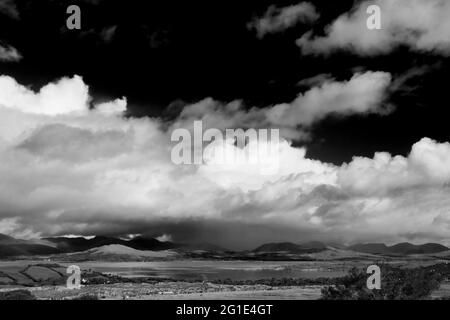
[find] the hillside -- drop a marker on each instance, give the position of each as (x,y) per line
(373,248)
(147,248)
(288,247)
(10,247)
(399,249)
(13,250)
(79,244)
(4,237)
(119,253)
(408,248)
(339,254)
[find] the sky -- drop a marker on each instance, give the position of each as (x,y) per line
(86,118)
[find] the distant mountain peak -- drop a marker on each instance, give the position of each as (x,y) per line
(404,248)
(82,244)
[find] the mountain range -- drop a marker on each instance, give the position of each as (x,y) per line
(64,244)
(399,249)
(14,247)
(10,247)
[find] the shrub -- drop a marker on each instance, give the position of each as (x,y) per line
(86,297)
(17,295)
(396,284)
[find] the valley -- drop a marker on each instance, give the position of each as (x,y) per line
(145,268)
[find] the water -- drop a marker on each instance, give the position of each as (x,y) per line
(214,270)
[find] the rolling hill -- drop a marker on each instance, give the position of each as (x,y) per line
(10,247)
(4,237)
(399,249)
(116,252)
(82,244)
(140,246)
(292,248)
(340,254)
(372,248)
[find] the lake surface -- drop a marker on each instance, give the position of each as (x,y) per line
(213,270)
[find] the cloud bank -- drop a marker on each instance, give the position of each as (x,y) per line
(68,168)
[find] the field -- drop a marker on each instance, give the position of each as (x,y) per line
(197,280)
(122,280)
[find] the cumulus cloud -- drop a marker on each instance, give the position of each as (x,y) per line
(425,166)
(65,96)
(115,107)
(422,25)
(279,19)
(68,168)
(363,94)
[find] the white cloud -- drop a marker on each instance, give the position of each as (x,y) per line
(363,94)
(118,106)
(279,19)
(65,96)
(423,25)
(9,54)
(66,169)
(164,238)
(427,165)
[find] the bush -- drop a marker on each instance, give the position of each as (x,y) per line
(396,284)
(86,297)
(17,295)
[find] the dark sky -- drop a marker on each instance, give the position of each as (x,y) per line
(167,54)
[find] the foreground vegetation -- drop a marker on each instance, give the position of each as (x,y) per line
(17,295)
(396,284)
